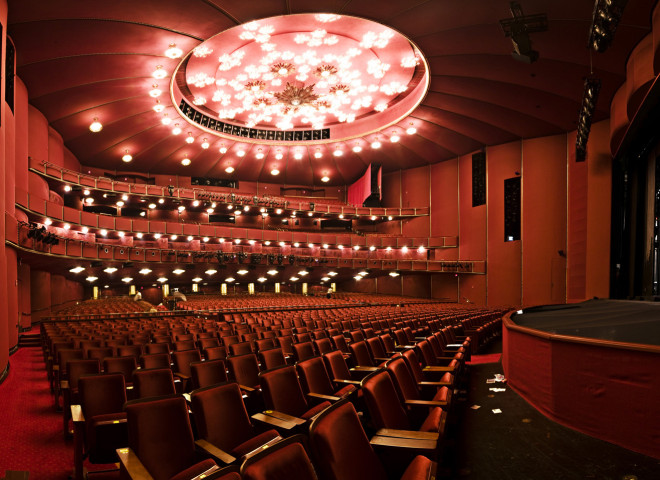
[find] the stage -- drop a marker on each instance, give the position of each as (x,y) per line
(591,366)
(614,320)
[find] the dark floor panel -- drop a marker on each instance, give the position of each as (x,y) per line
(520,443)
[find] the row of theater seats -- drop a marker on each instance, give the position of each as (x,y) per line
(101,306)
(363,349)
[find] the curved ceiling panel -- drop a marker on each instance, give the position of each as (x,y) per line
(82,60)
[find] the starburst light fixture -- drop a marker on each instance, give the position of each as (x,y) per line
(304,71)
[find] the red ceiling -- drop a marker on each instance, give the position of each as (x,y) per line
(82,59)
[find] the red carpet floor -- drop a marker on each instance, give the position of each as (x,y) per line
(32,438)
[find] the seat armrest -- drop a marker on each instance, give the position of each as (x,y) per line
(346,382)
(404,439)
(434,384)
(182,376)
(246,388)
(278,419)
(215,452)
(425,403)
(131,464)
(438,369)
(77,414)
(413,434)
(380,359)
(454,345)
(321,397)
(360,368)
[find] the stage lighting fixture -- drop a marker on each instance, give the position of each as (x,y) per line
(604,21)
(518,29)
(587,109)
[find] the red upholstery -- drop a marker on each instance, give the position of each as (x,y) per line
(214,353)
(154,382)
(271,358)
(182,361)
(123,365)
(314,378)
(336,366)
(244,369)
(221,419)
(208,373)
(282,392)
(303,351)
(155,360)
(287,461)
(361,354)
(195,470)
(159,433)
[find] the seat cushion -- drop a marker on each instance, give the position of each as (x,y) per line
(195,470)
(434,422)
(315,410)
(254,443)
(419,469)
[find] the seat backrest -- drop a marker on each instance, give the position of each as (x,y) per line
(314,377)
(64,355)
(286,344)
(159,433)
(155,360)
(264,344)
(428,357)
(157,348)
(323,345)
(244,369)
(388,343)
(208,373)
(153,382)
(271,358)
(357,336)
(303,351)
(340,447)
(340,343)
(80,367)
(404,382)
(98,352)
(286,459)
(182,361)
(130,350)
(282,391)
(181,345)
(123,365)
(382,401)
(412,360)
(102,394)
(361,354)
(240,348)
(376,347)
(213,353)
(220,415)
(336,365)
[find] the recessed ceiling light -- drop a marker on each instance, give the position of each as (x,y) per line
(127,157)
(411,130)
(176,130)
(205,144)
(211,271)
(338,152)
(274,171)
(76,269)
(223,149)
(92,279)
(178,271)
(155,91)
(159,107)
(145,271)
(229,169)
(161,279)
(325,179)
(229,279)
(298,155)
(185,162)
(173,51)
(127,279)
(190,138)
(357,148)
(159,73)
(272,272)
(197,279)
(96,126)
(240,153)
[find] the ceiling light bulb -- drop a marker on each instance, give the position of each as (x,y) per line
(279,156)
(174,237)
(145,271)
(48,221)
(165,120)
(161,200)
(67,188)
(157,236)
(274,171)
(127,157)
(390,217)
(229,169)
(67,226)
(161,279)
(173,51)
(195,203)
(158,107)
(176,130)
(210,210)
(103,232)
(152,206)
(185,162)
(190,238)
(205,239)
(338,152)
(190,138)
(318,154)
(181,208)
(139,235)
(357,148)
(120,203)
(205,144)
(159,73)
(411,130)
(210,271)
(395,138)
(155,91)
(375,144)
(84,229)
(96,126)
(325,179)
(372,248)
(223,149)
(259,154)
(298,155)
(240,153)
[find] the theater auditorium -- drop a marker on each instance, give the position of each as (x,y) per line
(329,240)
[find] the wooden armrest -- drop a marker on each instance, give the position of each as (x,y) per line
(182,376)
(215,452)
(269,443)
(434,384)
(56,368)
(320,396)
(360,368)
(347,382)
(246,388)
(132,465)
(425,403)
(187,397)
(278,419)
(380,359)
(64,384)
(402,442)
(111,422)
(77,414)
(438,369)
(208,474)
(454,345)
(392,432)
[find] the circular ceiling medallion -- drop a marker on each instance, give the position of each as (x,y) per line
(299,79)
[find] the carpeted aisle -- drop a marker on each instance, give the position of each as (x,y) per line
(32,438)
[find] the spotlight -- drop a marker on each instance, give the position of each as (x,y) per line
(518,29)
(605,19)
(589,100)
